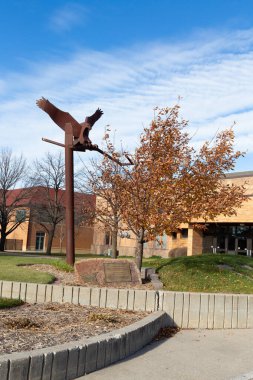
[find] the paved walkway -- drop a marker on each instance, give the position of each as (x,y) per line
(189,355)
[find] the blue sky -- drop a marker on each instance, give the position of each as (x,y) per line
(126,57)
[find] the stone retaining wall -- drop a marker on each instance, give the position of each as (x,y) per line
(208,311)
(186,310)
(75,359)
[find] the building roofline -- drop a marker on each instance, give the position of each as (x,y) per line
(248,173)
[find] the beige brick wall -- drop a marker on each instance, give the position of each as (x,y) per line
(193,244)
(21,232)
(244,214)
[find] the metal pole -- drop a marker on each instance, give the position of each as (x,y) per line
(69,186)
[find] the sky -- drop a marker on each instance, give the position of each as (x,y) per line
(126,57)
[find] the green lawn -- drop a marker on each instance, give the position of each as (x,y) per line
(7,303)
(12,269)
(191,274)
(203,274)
(154,262)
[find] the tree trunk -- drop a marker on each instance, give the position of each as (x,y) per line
(50,240)
(114,244)
(2,241)
(139,249)
(3,236)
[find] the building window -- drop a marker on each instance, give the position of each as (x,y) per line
(161,241)
(40,238)
(174,235)
(20,215)
(108,240)
(184,233)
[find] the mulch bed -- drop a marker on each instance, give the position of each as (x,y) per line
(36,326)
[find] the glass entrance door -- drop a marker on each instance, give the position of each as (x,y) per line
(221,244)
(229,238)
(40,237)
(231,244)
(241,246)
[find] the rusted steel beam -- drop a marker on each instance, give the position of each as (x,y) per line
(129,159)
(69,195)
(53,142)
(97,149)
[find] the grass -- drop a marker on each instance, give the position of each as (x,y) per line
(154,262)
(190,274)
(7,303)
(62,265)
(13,268)
(108,318)
(58,255)
(202,274)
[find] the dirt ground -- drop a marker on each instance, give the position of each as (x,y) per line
(36,326)
(69,278)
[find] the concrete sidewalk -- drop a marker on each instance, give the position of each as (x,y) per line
(189,355)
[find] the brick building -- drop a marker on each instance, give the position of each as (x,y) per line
(233,235)
(31,236)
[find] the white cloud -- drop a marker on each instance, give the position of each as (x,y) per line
(213,75)
(68,16)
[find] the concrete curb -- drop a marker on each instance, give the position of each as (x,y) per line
(75,359)
(69,361)
(126,299)
(185,310)
(247,376)
(208,310)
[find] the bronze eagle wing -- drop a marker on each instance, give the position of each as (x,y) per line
(60,117)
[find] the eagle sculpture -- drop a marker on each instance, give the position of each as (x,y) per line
(61,118)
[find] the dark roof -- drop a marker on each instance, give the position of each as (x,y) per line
(248,173)
(36,194)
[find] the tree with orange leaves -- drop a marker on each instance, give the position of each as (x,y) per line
(170,183)
(102,179)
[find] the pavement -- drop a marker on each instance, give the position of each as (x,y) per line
(189,355)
